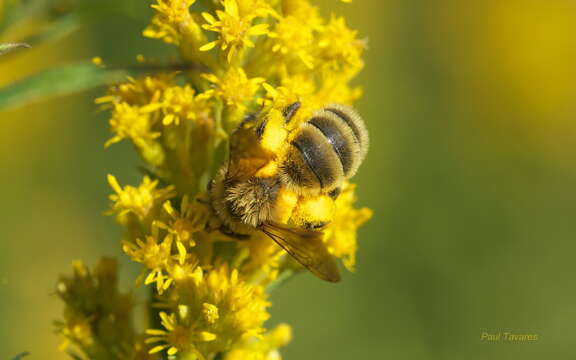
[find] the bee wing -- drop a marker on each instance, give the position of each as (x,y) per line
(244,152)
(306,247)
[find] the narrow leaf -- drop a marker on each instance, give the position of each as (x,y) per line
(55,30)
(16,12)
(53,82)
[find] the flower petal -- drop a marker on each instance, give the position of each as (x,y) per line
(209,46)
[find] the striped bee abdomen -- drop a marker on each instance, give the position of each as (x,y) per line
(347,115)
(311,161)
(325,150)
(340,137)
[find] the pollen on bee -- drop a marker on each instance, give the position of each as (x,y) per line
(285,204)
(313,210)
(268,170)
(275,134)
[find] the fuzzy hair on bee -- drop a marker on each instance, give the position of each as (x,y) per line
(326,150)
(253,200)
(286,193)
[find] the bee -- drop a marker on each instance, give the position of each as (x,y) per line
(282,179)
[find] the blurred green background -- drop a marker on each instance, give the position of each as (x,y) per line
(471,108)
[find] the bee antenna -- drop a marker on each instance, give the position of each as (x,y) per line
(290,111)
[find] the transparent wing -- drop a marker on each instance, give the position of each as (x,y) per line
(306,247)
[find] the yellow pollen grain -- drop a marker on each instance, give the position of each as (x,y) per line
(285,204)
(317,209)
(275,134)
(269,170)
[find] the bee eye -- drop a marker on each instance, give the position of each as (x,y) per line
(290,111)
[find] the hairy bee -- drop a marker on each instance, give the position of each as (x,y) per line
(282,179)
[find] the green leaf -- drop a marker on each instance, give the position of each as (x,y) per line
(55,31)
(53,82)
(18,11)
(7,47)
(51,32)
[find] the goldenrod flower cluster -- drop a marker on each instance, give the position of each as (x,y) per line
(210,291)
(97,318)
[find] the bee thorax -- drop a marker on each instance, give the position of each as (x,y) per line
(253,201)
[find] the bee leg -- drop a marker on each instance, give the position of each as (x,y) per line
(247,122)
(226,231)
(334,193)
(249,118)
(316,225)
(202,201)
(290,111)
(260,128)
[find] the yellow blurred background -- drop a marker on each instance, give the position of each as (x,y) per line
(472,173)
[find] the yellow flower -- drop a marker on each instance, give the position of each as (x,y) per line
(131,122)
(171,17)
(139,201)
(303,10)
(234,87)
(209,286)
(210,313)
(263,348)
(177,337)
(138,91)
(135,114)
(340,235)
(76,331)
(293,37)
(154,255)
(257,8)
(337,90)
(184,223)
(234,28)
(97,317)
(339,47)
(180,103)
(263,262)
(212,310)
(293,88)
